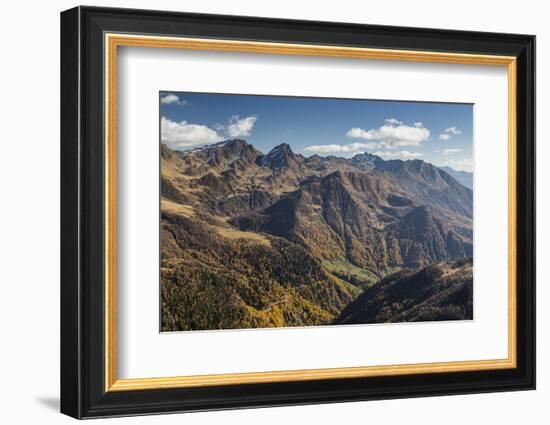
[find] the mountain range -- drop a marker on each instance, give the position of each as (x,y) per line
(278,239)
(465,178)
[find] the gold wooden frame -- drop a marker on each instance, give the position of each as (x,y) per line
(113,41)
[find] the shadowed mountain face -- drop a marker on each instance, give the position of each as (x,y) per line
(349,221)
(441,291)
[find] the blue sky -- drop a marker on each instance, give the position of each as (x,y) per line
(440,133)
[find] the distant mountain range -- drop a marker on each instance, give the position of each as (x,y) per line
(259,240)
(465,178)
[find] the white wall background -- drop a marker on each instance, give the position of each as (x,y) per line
(29,213)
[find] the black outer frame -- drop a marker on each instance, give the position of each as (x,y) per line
(82,206)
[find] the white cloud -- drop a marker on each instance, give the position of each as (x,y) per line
(398,155)
(453,130)
(350,148)
(358,133)
(393,121)
(451,151)
(171,98)
(449,132)
(240,127)
(463,164)
(184,135)
(392,134)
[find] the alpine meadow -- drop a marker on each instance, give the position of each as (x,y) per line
(281,211)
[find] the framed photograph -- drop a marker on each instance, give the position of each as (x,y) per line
(261,212)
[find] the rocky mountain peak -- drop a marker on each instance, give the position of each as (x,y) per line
(283,147)
(280,157)
(366,161)
(230,147)
(235,146)
(224,155)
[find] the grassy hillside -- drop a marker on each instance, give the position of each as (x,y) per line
(352,274)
